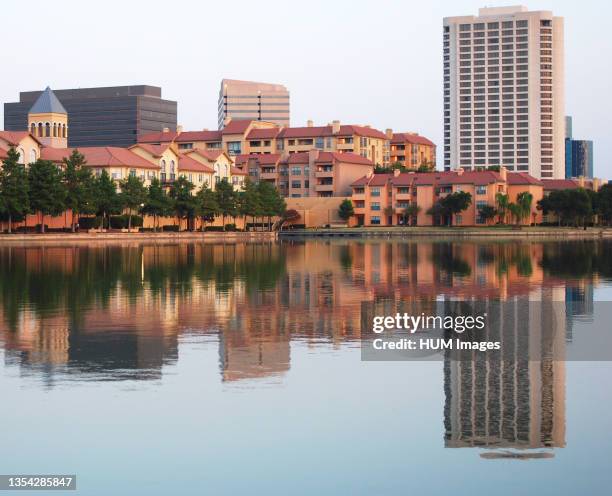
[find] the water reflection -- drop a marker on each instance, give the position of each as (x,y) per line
(117,312)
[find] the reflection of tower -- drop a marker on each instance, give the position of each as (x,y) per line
(48,120)
(510,401)
(578,303)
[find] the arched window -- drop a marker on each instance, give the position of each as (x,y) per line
(47,130)
(64,131)
(32,155)
(171,166)
(40,130)
(33,129)
(55,129)
(163,166)
(21,155)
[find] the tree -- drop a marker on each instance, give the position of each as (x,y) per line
(456,203)
(14,189)
(487,213)
(106,199)
(226,198)
(502,200)
(604,199)
(271,202)
(208,207)
(411,212)
(346,210)
(249,200)
(515,211)
(79,185)
(47,191)
(524,200)
(157,204)
(133,195)
(185,204)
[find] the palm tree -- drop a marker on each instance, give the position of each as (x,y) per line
(524,200)
(503,204)
(411,212)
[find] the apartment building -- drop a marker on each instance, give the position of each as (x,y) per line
(504,91)
(307,174)
(262,137)
(250,100)
(411,150)
(382,199)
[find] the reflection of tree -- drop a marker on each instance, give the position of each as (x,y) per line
(577,259)
(444,256)
(32,278)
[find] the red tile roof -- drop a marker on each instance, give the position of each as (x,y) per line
(158,137)
(554,184)
(400,138)
(101,156)
(324,131)
(346,157)
(522,178)
(263,133)
(235,171)
(190,136)
(236,127)
(477,178)
(3,152)
(211,155)
(14,137)
(186,163)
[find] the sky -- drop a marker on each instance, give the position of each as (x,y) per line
(361,62)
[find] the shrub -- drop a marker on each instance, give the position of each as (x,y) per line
(214,228)
(39,228)
(90,222)
(230,227)
(121,221)
(170,228)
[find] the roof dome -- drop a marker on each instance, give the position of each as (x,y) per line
(48,103)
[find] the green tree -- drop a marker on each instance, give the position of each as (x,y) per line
(487,213)
(411,212)
(208,207)
(185,204)
(107,198)
(79,187)
(524,200)
(226,199)
(604,200)
(456,203)
(47,191)
(346,210)
(249,200)
(14,189)
(157,203)
(133,195)
(271,202)
(502,200)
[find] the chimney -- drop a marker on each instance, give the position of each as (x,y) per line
(335,127)
(309,123)
(166,130)
(226,121)
(370,174)
(581,181)
(396,172)
(179,129)
(389,133)
(460,171)
(503,172)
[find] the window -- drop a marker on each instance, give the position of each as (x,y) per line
(320,143)
(375,192)
(296,171)
(375,206)
(234,148)
(481,190)
(32,155)
(296,184)
(375,220)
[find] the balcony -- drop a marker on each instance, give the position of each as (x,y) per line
(268,175)
(324,173)
(322,188)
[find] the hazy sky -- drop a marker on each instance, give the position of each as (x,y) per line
(363,62)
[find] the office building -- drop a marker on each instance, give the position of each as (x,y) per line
(111,116)
(578,154)
(249,100)
(504,91)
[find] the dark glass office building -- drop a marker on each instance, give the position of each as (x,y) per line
(578,158)
(111,116)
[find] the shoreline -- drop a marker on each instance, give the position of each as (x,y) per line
(121,237)
(467,232)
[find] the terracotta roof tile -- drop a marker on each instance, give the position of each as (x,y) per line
(14,137)
(190,136)
(235,171)
(400,138)
(263,133)
(522,178)
(554,184)
(155,150)
(236,127)
(186,163)
(325,131)
(158,137)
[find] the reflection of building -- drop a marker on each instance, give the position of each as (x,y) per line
(516,400)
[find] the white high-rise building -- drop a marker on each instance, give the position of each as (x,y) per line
(504,91)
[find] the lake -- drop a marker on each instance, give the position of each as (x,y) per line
(161,369)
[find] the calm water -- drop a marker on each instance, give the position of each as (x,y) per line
(236,369)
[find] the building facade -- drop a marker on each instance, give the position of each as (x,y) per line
(249,100)
(578,154)
(504,91)
(110,116)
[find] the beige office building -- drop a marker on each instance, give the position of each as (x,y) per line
(249,100)
(504,91)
